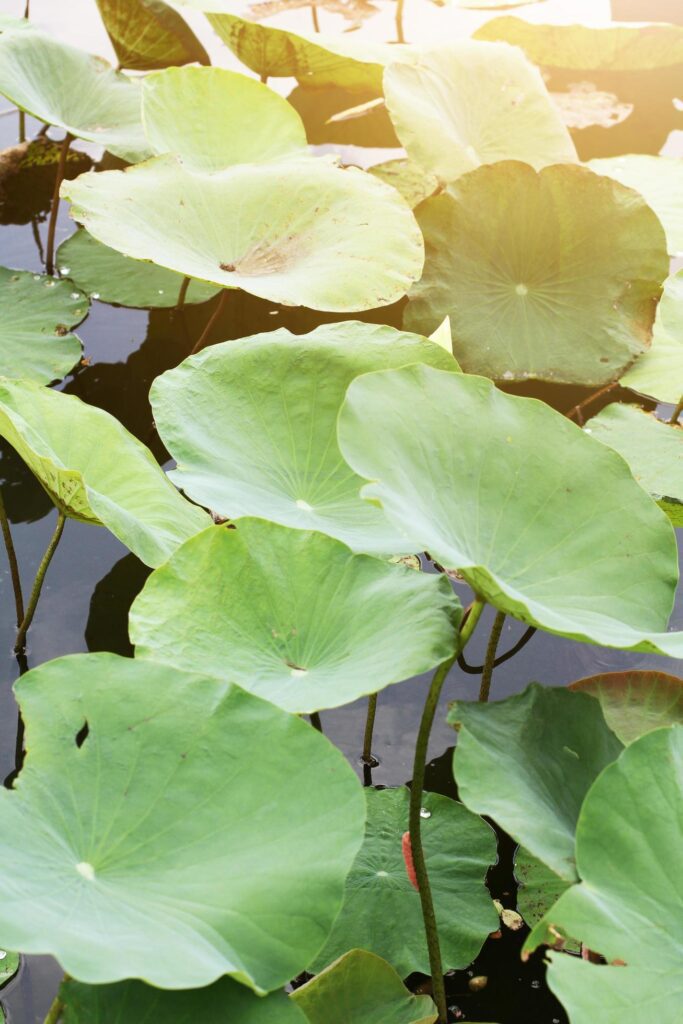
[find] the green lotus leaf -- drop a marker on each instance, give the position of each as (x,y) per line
(293,616)
(382,911)
(132,1002)
(659,180)
(653,450)
(144,839)
(582,48)
(365,989)
(252,426)
(539,887)
(11,24)
(106,274)
(95,471)
(469,104)
(627,906)
(410,180)
(9,965)
(295,231)
(634,703)
(69,88)
(214,118)
(512,756)
(36,315)
(533,290)
(475,477)
(658,373)
(148,34)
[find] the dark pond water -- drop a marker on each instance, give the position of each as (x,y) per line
(93,580)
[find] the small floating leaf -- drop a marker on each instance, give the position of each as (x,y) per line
(634,703)
(148,34)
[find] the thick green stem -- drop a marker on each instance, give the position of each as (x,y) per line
(490,660)
(54,208)
(400,36)
(369,730)
(677,411)
(201,342)
(416,792)
(55,1011)
(20,643)
(13,563)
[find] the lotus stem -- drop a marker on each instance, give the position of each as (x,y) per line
(264,77)
(55,1011)
(677,411)
(315,721)
(182,294)
(415,821)
(22,126)
(400,37)
(54,208)
(368,759)
(201,342)
(314,13)
(27,9)
(578,409)
(13,563)
(20,643)
(487,673)
(476,670)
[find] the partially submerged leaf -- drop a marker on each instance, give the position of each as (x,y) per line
(539,887)
(634,703)
(298,231)
(36,317)
(532,287)
(658,373)
(95,471)
(148,34)
(362,988)
(382,910)
(144,837)
(519,500)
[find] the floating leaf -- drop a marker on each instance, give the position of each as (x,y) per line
(66,87)
(543,521)
(95,471)
(658,373)
(9,965)
(214,118)
(112,277)
(627,906)
(252,425)
(169,827)
(653,450)
(148,34)
(539,887)
(409,180)
(634,703)
(583,106)
(382,910)
(293,616)
(365,989)
(296,231)
(533,288)
(529,761)
(469,104)
(36,315)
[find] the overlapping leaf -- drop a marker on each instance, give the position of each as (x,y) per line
(148,34)
(634,703)
(658,373)
(539,887)
(659,180)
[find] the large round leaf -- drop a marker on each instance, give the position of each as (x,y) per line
(214,118)
(363,989)
(293,616)
(36,316)
(108,275)
(95,471)
(63,86)
(542,520)
(469,104)
(659,371)
(171,828)
(382,910)
(528,763)
(148,34)
(627,906)
(533,287)
(296,231)
(634,703)
(252,425)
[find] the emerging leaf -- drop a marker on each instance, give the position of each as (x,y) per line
(634,703)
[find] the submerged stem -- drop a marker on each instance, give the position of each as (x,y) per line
(54,208)
(20,643)
(490,661)
(400,36)
(13,563)
(202,340)
(677,411)
(369,730)
(416,792)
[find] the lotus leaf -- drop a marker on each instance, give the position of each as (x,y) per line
(214,118)
(112,277)
(539,887)
(295,231)
(469,104)
(144,839)
(583,48)
(532,286)
(9,23)
(365,989)
(659,371)
(95,471)
(293,616)
(634,703)
(64,86)
(519,500)
(409,179)
(252,425)
(36,315)
(148,34)
(659,180)
(381,911)
(529,761)
(653,450)
(627,906)
(9,965)
(132,1002)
